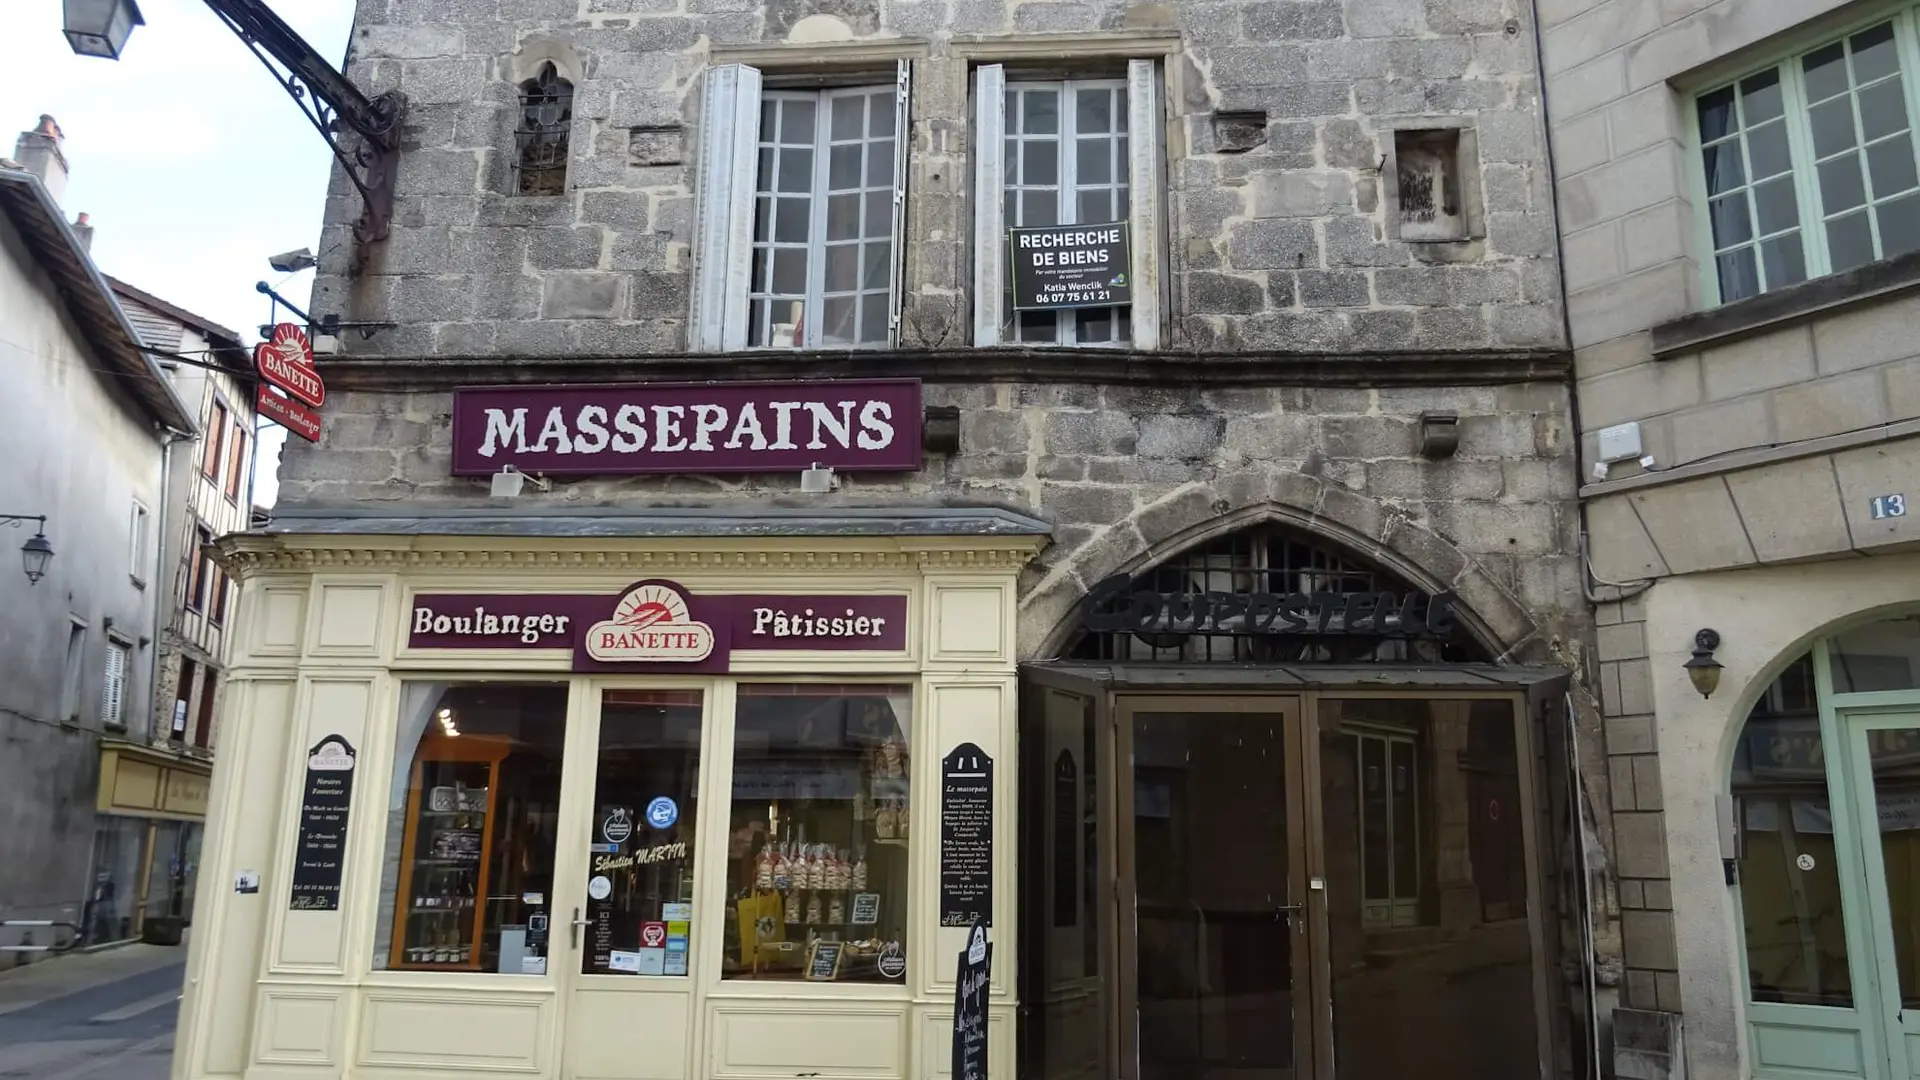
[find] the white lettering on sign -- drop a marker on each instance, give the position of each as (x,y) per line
(1087,238)
(483,623)
(691,429)
(772,622)
(1888,506)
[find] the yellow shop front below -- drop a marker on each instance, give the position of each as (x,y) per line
(623,800)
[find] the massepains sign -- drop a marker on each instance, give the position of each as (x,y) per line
(848,425)
(658,624)
(1070,266)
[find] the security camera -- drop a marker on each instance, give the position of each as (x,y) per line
(291,262)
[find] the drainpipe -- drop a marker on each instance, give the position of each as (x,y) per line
(162,597)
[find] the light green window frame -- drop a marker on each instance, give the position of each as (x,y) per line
(1807,167)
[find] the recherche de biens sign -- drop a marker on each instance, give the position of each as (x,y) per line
(849,425)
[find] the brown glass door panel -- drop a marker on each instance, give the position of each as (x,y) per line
(1210,847)
(1431,934)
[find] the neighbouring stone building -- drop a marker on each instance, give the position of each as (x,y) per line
(702,318)
(1737,197)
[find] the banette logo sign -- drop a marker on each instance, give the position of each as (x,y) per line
(650,623)
(850,425)
(658,624)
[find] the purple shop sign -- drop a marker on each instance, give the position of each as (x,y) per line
(850,424)
(657,625)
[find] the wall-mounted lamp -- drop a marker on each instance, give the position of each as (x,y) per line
(36,553)
(1439,433)
(508,482)
(1703,670)
(818,480)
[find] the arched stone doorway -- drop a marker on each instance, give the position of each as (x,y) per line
(1276,798)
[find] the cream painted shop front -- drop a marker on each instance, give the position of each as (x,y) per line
(715,791)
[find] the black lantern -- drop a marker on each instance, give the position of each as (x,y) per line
(1703,670)
(100,27)
(36,553)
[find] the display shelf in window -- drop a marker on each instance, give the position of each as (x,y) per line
(821,822)
(447,853)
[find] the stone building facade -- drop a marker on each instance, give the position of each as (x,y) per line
(1746,375)
(1345,329)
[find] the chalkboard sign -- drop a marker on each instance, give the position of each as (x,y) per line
(970,983)
(823,961)
(320,855)
(1070,266)
(866,908)
(966,837)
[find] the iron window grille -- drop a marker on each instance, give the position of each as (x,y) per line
(1271,559)
(546,119)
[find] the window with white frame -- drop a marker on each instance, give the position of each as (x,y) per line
(1809,166)
(1067,152)
(801,196)
(113,698)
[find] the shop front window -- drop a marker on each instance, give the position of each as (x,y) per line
(117,843)
(467,879)
(818,834)
(1796,933)
(640,886)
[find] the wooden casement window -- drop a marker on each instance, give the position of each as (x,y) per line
(236,461)
(800,213)
(1067,152)
(542,137)
(210,454)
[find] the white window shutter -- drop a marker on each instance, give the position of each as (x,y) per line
(110,700)
(989,148)
(1145,133)
(903,147)
(723,207)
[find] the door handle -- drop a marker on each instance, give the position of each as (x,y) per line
(578,922)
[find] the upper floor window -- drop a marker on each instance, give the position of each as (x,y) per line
(210,451)
(236,460)
(546,118)
(802,193)
(1809,166)
(1067,152)
(113,695)
(823,219)
(139,535)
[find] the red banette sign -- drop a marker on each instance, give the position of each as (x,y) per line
(286,361)
(657,624)
(849,425)
(288,413)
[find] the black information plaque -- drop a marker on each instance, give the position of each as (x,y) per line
(1070,266)
(970,982)
(320,855)
(966,837)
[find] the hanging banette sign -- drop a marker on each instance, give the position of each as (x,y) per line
(1117,606)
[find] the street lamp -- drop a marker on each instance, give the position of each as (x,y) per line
(100,27)
(1703,670)
(36,553)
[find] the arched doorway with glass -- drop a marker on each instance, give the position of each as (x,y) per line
(1274,803)
(1825,793)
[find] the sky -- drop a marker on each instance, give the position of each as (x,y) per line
(192,165)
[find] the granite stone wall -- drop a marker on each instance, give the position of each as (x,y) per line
(1278,232)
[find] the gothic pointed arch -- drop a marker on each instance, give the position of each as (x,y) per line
(1299,530)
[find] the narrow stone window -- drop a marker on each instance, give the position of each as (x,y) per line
(1427,175)
(546,117)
